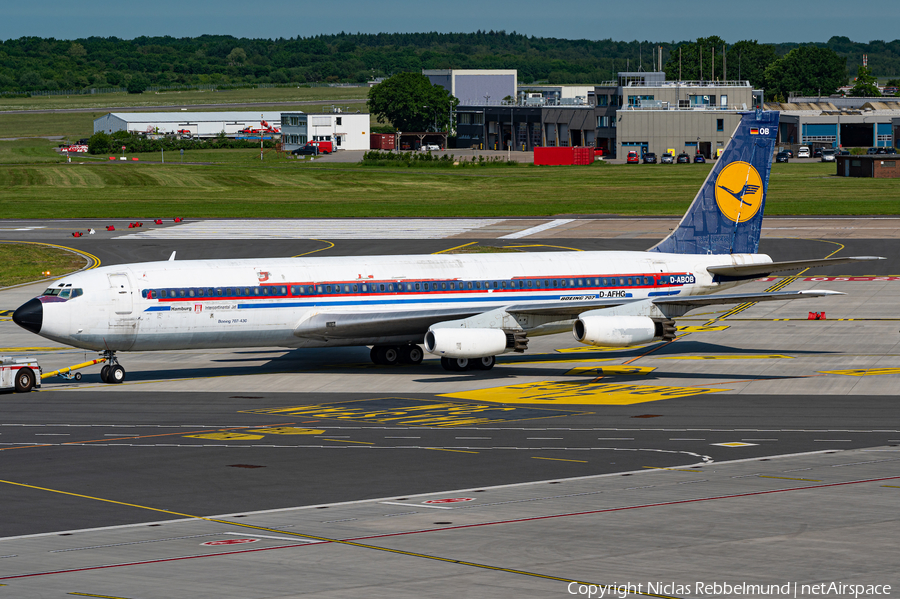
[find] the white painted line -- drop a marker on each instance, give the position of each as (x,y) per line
(292,539)
(416,505)
(551,225)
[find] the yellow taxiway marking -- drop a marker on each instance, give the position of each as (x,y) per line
(863,371)
(557,392)
(891,486)
(330,245)
(289,430)
(811,480)
(747,357)
(543,245)
(560,460)
(604,370)
(453,450)
(702,328)
(226,436)
(672,469)
(456,248)
(325,539)
(346,441)
(15,349)
(93,595)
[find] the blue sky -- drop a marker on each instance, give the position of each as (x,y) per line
(652,20)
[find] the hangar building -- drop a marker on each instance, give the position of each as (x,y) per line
(197,124)
(472,86)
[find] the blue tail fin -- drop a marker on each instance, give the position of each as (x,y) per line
(726,216)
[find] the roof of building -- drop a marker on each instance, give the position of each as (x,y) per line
(182,116)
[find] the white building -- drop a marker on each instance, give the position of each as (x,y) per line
(347,131)
(197,124)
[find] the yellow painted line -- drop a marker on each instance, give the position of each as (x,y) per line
(14,349)
(576,392)
(560,460)
(863,371)
(605,370)
(330,245)
(456,248)
(288,430)
(93,261)
(702,328)
(891,486)
(543,245)
(227,437)
(92,595)
(810,480)
(345,441)
(453,450)
(749,357)
(672,469)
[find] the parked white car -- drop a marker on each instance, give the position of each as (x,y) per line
(430,148)
(828,155)
(803,152)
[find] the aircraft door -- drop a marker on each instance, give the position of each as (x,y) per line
(121,293)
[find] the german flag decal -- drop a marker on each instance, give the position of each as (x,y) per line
(754,131)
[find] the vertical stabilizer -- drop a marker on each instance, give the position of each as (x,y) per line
(726,216)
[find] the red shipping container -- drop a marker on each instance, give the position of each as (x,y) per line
(381,141)
(583,156)
(554,156)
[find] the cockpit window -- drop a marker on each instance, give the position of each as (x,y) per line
(52,291)
(64,293)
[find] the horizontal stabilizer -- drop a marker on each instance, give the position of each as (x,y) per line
(740,298)
(743,270)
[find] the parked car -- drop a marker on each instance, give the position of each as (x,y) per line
(632,157)
(699,159)
(649,158)
(886,150)
(843,152)
(430,148)
(781,156)
(817,153)
(827,155)
(872,151)
(667,159)
(684,158)
(803,152)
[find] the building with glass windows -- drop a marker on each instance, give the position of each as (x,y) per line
(346,130)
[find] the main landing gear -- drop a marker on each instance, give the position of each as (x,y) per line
(112,372)
(390,355)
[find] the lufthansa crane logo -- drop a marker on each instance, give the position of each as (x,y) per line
(739,191)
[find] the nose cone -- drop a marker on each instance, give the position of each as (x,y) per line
(30,315)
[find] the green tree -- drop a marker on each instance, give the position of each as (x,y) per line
(807,70)
(748,60)
(412,103)
(866,85)
(136,85)
(685,61)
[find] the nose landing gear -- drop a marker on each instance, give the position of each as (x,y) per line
(113,372)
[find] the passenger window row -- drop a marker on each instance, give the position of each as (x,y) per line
(378,287)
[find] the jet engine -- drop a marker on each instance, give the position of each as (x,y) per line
(621,331)
(465,343)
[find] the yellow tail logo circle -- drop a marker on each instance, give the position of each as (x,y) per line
(739,191)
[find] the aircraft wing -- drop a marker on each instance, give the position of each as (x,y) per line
(745,270)
(740,298)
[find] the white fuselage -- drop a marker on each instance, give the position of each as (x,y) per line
(246,303)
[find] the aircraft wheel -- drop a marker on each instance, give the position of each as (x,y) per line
(116,374)
(24,380)
(77,376)
(455,364)
(104,372)
(484,363)
(411,354)
(386,355)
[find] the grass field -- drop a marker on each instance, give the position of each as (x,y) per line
(21,263)
(240,186)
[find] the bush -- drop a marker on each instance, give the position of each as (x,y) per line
(103,143)
(427,160)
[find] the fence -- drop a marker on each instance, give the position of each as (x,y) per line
(159,88)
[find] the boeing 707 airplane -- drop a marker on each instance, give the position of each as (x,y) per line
(466,309)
